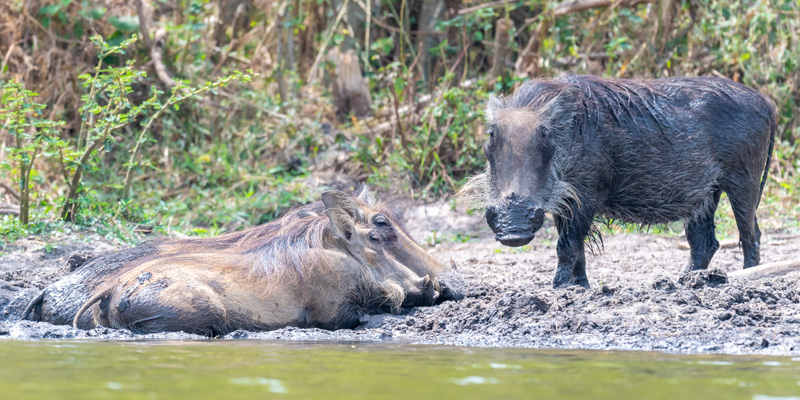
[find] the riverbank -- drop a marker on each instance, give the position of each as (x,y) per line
(638,300)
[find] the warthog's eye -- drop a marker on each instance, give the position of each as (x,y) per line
(380,221)
(489,142)
(374,238)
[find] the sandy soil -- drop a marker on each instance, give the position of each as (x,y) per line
(639,300)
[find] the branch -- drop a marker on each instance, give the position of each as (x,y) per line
(9,210)
(156,55)
(495,4)
(723,244)
(568,7)
(10,190)
(769,270)
(395,29)
(156,46)
(140,11)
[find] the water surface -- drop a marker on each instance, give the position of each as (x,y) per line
(224,370)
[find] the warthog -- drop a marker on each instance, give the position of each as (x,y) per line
(645,152)
(324,265)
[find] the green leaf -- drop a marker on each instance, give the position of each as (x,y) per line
(125,24)
(399,84)
(50,10)
(97,13)
(77,30)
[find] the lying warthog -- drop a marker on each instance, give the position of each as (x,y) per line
(645,152)
(324,265)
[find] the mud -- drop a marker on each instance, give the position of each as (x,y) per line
(638,300)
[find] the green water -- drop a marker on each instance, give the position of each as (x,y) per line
(226,370)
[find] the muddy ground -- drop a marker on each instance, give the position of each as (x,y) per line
(638,301)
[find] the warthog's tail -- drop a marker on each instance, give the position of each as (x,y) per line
(88,304)
(773,128)
(32,305)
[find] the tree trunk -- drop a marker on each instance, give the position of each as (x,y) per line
(350,89)
(664,24)
(356,17)
(429,13)
(451,8)
(234,14)
(500,48)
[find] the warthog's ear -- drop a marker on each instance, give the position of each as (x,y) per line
(305,214)
(560,111)
(342,224)
(337,199)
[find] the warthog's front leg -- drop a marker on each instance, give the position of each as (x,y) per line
(570,248)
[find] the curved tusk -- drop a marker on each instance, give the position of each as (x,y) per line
(453,265)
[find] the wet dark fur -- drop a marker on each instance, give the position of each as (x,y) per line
(651,152)
(59,301)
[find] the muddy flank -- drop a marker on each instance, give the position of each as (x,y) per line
(639,300)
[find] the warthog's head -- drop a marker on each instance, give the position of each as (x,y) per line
(522,179)
(383,232)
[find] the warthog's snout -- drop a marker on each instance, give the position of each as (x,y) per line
(515,221)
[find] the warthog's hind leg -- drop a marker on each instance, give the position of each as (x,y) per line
(187,306)
(744,203)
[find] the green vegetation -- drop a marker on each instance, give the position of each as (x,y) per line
(198,117)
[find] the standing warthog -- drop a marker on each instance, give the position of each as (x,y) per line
(324,265)
(646,152)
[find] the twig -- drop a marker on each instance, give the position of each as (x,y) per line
(495,4)
(326,42)
(11,49)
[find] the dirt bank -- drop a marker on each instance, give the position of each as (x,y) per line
(638,299)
